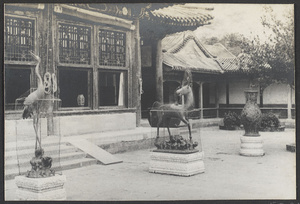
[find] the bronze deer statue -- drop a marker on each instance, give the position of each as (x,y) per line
(167,111)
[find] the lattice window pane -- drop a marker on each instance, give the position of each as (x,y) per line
(18,38)
(112,48)
(74,44)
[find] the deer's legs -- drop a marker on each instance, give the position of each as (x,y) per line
(168,124)
(189,127)
(159,122)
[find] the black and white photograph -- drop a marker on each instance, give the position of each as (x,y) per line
(149,101)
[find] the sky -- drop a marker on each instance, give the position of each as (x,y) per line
(238,18)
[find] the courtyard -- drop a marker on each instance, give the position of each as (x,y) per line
(227,174)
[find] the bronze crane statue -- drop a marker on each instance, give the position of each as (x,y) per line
(31,102)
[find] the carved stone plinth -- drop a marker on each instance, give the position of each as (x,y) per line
(251,146)
(48,188)
(181,164)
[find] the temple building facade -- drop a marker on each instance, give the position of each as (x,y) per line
(218,79)
(102,58)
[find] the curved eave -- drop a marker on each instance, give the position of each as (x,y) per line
(193,69)
(182,15)
(176,21)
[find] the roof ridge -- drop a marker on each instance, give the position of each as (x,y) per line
(190,35)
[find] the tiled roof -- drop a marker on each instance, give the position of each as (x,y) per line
(226,59)
(173,43)
(184,51)
(182,15)
(219,51)
(228,64)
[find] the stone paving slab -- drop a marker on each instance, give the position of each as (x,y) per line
(227,174)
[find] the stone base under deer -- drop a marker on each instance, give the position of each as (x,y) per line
(186,164)
(48,188)
(251,146)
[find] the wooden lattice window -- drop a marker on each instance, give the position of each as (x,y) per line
(18,38)
(74,44)
(112,48)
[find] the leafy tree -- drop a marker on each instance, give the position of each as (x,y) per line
(271,61)
(210,40)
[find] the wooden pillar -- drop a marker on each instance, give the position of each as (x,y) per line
(94,58)
(159,72)
(201,99)
(137,77)
(289,102)
(227,94)
(49,61)
(217,98)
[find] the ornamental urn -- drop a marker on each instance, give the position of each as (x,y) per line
(80,100)
(251,114)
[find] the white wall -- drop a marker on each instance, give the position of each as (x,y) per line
(222,92)
(72,125)
(212,93)
(236,91)
(277,94)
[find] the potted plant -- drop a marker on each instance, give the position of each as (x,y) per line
(231,121)
(270,122)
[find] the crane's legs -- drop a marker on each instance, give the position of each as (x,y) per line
(35,126)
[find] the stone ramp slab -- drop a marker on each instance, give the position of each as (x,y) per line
(95,151)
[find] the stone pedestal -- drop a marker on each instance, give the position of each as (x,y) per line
(251,146)
(181,164)
(48,188)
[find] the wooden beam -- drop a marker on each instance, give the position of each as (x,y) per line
(93,16)
(31,6)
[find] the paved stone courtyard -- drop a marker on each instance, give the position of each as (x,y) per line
(227,174)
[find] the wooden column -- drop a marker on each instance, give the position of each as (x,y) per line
(94,58)
(159,72)
(139,73)
(201,99)
(217,98)
(136,73)
(227,93)
(49,61)
(289,102)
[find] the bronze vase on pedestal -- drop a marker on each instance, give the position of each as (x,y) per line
(251,114)
(251,142)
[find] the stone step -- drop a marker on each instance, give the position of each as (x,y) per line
(25,162)
(64,165)
(49,150)
(30,144)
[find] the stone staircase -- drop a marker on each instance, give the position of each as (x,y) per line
(20,150)
(65,156)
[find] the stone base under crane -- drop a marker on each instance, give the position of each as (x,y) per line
(181,164)
(251,146)
(48,188)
